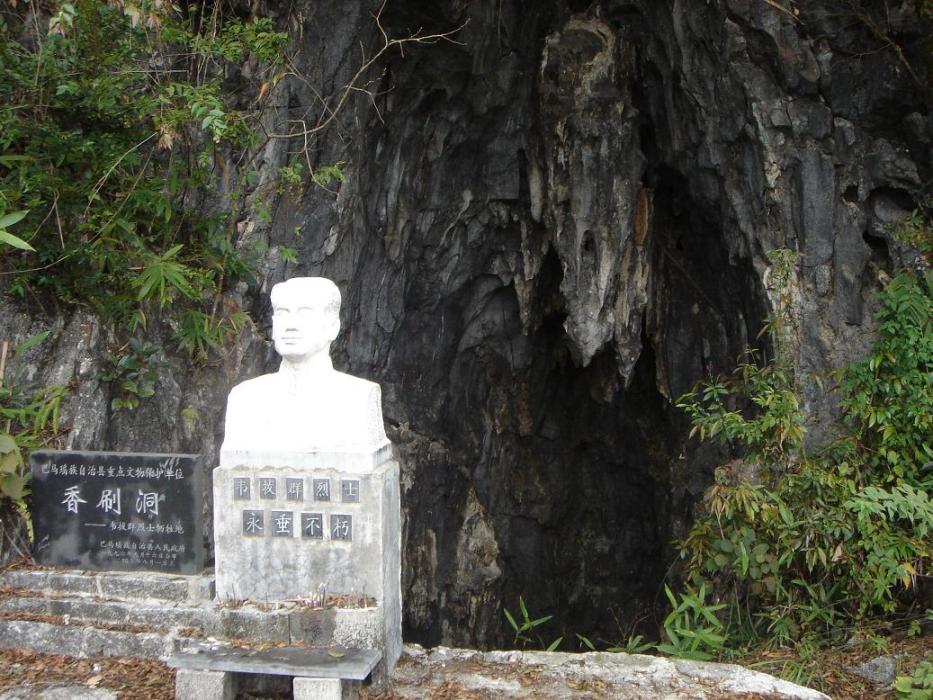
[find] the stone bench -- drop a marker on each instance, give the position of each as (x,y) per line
(318,674)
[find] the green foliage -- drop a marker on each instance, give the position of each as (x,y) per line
(8,238)
(163,278)
(526,625)
(203,105)
(29,420)
(289,255)
(635,644)
(107,122)
(235,41)
(912,229)
(329,174)
(13,476)
(919,685)
(801,547)
(757,407)
(132,374)
(291,177)
(692,629)
(887,396)
(201,332)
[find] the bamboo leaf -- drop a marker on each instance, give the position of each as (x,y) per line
(16,242)
(8,220)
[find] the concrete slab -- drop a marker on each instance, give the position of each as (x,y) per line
(203,685)
(82,641)
(253,625)
(115,585)
(350,664)
(143,586)
(540,675)
(317,689)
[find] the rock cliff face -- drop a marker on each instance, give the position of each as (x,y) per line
(549,229)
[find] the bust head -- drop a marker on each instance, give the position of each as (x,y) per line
(305,317)
(307,407)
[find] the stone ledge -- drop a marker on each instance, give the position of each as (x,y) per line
(288,624)
(550,675)
(82,641)
(113,612)
(340,663)
(115,585)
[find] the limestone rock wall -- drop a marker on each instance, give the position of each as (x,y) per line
(548,230)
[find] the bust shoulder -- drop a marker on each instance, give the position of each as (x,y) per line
(257,385)
(347,382)
(275,383)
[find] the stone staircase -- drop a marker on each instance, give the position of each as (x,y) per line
(131,614)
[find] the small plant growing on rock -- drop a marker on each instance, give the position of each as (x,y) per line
(132,374)
(524,627)
(29,420)
(692,629)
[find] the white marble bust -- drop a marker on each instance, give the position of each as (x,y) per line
(307,406)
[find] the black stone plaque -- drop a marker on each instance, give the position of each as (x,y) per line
(341,527)
(312,525)
(267,488)
(118,511)
(294,489)
(281,522)
(253,523)
(350,491)
(241,490)
(321,489)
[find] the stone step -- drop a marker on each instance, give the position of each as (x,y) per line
(171,619)
(113,585)
(84,641)
(111,612)
(146,614)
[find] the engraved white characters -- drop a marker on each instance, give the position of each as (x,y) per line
(72,499)
(110,501)
(147,502)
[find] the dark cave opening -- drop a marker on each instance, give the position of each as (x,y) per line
(584,482)
(533,476)
(606,482)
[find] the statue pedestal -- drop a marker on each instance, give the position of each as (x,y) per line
(284,530)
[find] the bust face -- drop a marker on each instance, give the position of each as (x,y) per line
(304,321)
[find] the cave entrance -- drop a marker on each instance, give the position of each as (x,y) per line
(582,483)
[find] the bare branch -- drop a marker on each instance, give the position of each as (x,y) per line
(780,8)
(356,83)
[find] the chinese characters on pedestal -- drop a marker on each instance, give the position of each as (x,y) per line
(298,523)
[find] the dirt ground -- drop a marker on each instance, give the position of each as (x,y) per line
(131,678)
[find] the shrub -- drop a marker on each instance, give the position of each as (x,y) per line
(797,545)
(110,122)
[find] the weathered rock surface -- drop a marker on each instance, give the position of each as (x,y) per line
(882,670)
(554,676)
(547,231)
